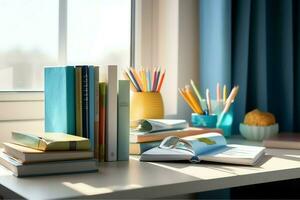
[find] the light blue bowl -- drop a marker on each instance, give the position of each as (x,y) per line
(258,133)
(204,121)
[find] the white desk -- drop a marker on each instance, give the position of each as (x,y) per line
(147,180)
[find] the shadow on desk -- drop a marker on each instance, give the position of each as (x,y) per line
(276,190)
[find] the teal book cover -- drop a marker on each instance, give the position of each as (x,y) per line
(92,106)
(123,120)
(60,99)
(139,148)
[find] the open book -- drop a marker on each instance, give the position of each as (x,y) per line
(154,125)
(207,147)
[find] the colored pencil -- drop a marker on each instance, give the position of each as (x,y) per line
(157,79)
(193,100)
(196,91)
(132,87)
(187,100)
(143,79)
(148,80)
(138,78)
(134,80)
(208,102)
(154,80)
(161,81)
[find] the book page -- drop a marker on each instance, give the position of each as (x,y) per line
(235,154)
(153,125)
(206,142)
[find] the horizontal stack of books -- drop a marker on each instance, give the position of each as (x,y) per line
(151,132)
(90,102)
(47,153)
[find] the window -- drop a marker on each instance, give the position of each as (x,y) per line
(37,33)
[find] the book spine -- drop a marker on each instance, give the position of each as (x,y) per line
(91,104)
(96,121)
(78,92)
(85,101)
(59,96)
(70,101)
(111,122)
(102,119)
(123,120)
(26,140)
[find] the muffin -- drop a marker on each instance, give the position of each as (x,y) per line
(259,118)
(259,125)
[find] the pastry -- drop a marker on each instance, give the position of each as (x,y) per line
(259,118)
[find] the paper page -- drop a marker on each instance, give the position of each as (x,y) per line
(206,142)
(152,125)
(235,154)
(159,154)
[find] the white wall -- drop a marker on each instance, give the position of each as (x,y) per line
(20,111)
(167,36)
(188,50)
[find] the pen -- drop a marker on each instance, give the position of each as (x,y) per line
(208,102)
(218,92)
(224,93)
(228,103)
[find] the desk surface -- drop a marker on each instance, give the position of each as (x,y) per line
(146,180)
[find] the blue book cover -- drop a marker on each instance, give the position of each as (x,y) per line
(123,120)
(60,99)
(92,106)
(139,148)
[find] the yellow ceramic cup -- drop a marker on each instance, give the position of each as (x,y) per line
(145,105)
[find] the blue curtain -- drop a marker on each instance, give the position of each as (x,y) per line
(254,44)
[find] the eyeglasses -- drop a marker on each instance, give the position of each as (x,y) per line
(173,142)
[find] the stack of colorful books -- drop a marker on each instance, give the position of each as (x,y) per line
(90,102)
(47,153)
(150,133)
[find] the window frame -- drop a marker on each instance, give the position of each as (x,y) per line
(37,96)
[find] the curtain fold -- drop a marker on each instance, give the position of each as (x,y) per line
(264,58)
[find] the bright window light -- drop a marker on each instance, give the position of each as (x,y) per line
(29,35)
(97,32)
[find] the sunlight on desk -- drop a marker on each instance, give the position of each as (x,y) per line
(86,189)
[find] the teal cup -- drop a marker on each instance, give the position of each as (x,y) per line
(224,121)
(204,121)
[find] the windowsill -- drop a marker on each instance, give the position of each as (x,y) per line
(21,96)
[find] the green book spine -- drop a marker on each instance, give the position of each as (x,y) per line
(123,120)
(102,119)
(78,100)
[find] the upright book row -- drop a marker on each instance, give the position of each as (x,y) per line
(90,102)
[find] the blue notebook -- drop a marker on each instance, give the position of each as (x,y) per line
(60,99)
(91,106)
